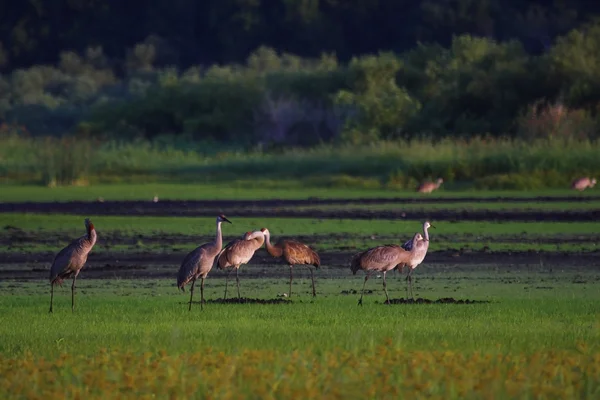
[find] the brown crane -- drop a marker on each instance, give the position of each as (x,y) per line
(238,252)
(582,183)
(428,187)
(383,259)
(199,262)
(294,253)
(69,261)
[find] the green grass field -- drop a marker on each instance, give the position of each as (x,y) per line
(239,191)
(149,315)
(537,337)
(125,335)
(289,226)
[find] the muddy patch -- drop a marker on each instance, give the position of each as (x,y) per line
(272,208)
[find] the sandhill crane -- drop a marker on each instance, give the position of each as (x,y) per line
(199,262)
(582,183)
(294,253)
(428,187)
(382,259)
(426,225)
(418,255)
(69,261)
(239,252)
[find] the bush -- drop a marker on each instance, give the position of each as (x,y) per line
(377,107)
(555,121)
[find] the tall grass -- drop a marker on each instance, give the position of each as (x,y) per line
(481,163)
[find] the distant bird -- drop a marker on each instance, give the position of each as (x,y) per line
(155,199)
(69,261)
(428,187)
(238,252)
(199,262)
(294,253)
(382,259)
(582,183)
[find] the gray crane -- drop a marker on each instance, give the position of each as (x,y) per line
(199,262)
(383,259)
(70,260)
(294,253)
(426,225)
(422,251)
(239,252)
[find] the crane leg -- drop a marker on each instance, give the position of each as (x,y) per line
(387,297)
(291,279)
(201,293)
(409,286)
(226,281)
(73,294)
(192,294)
(363,290)
(237,279)
(51,295)
(312,278)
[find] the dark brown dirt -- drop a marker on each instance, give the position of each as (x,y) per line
(109,265)
(269,208)
(14,237)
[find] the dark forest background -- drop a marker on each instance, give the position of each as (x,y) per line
(300,72)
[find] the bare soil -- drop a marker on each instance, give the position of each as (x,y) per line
(110,265)
(272,208)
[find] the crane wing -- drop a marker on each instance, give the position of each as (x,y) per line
(62,261)
(383,256)
(238,251)
(298,253)
(222,259)
(189,265)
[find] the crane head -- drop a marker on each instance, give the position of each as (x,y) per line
(265,231)
(88,225)
(440,181)
(593,182)
(223,218)
(427,224)
(247,235)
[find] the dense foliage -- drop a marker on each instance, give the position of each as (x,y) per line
(302,72)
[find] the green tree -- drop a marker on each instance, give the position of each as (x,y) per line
(374,105)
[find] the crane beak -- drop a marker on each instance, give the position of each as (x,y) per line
(226,220)
(431,226)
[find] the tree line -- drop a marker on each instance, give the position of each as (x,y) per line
(359,78)
(191,32)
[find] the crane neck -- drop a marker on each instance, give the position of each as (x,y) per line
(258,238)
(426,232)
(219,238)
(274,251)
(92,236)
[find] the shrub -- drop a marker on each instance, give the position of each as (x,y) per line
(379,109)
(555,121)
